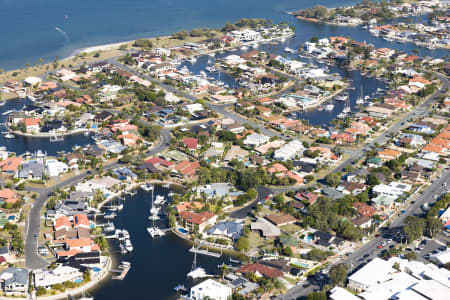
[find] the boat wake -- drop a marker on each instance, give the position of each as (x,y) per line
(63,33)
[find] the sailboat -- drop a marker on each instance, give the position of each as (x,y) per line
(196,272)
(360,99)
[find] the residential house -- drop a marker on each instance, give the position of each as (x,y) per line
(197,221)
(14,280)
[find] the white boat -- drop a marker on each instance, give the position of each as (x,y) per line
(2,102)
(109,216)
(8,135)
(56,138)
(211,69)
(160,200)
(341,98)
(120,207)
(341,115)
(167,185)
(109,227)
(147,187)
(197,273)
(289,50)
(212,54)
(346,109)
(244,48)
(360,101)
(192,59)
(128,245)
(86,133)
(329,107)
(122,249)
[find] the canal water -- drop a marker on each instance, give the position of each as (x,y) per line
(22,144)
(157,265)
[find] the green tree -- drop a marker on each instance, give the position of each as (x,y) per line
(316,296)
(338,274)
(414,228)
(243,244)
(433,226)
(332,179)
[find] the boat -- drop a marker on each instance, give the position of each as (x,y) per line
(196,272)
(244,48)
(192,59)
(159,200)
(56,138)
(122,249)
(346,109)
(8,135)
(212,54)
(341,98)
(2,102)
(289,50)
(341,115)
(166,185)
(211,69)
(329,107)
(180,288)
(120,207)
(86,133)
(109,227)
(147,187)
(109,215)
(128,245)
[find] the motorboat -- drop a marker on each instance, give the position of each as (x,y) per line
(8,135)
(159,200)
(128,245)
(211,69)
(244,48)
(109,216)
(109,227)
(289,50)
(120,207)
(192,59)
(329,107)
(341,98)
(147,187)
(125,233)
(360,101)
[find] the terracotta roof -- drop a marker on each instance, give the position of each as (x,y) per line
(190,143)
(261,269)
(364,209)
(196,218)
(432,148)
(280,219)
(63,221)
(76,243)
(10,164)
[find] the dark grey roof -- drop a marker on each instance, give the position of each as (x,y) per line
(19,276)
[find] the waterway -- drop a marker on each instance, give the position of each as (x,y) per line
(157,265)
(29,27)
(30,34)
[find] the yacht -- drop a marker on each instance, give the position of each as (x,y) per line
(210,69)
(128,245)
(212,54)
(341,98)
(120,207)
(86,133)
(109,215)
(56,138)
(360,101)
(147,187)
(8,135)
(289,50)
(2,102)
(346,109)
(159,200)
(125,233)
(192,60)
(329,107)
(244,48)
(109,227)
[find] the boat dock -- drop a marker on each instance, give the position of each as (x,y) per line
(122,270)
(204,252)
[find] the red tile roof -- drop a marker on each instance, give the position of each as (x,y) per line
(196,218)
(261,269)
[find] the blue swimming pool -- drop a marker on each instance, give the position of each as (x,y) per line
(96,269)
(78,281)
(182,230)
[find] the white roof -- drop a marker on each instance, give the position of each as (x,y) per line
(376,271)
(432,290)
(400,281)
(32,80)
(339,293)
(442,257)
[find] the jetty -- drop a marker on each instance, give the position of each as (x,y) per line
(122,270)
(204,252)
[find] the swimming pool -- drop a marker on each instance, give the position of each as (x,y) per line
(78,281)
(299,265)
(182,230)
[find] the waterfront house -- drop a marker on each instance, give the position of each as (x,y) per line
(31,125)
(14,280)
(260,270)
(74,227)
(197,221)
(210,289)
(218,190)
(228,229)
(58,275)
(306,196)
